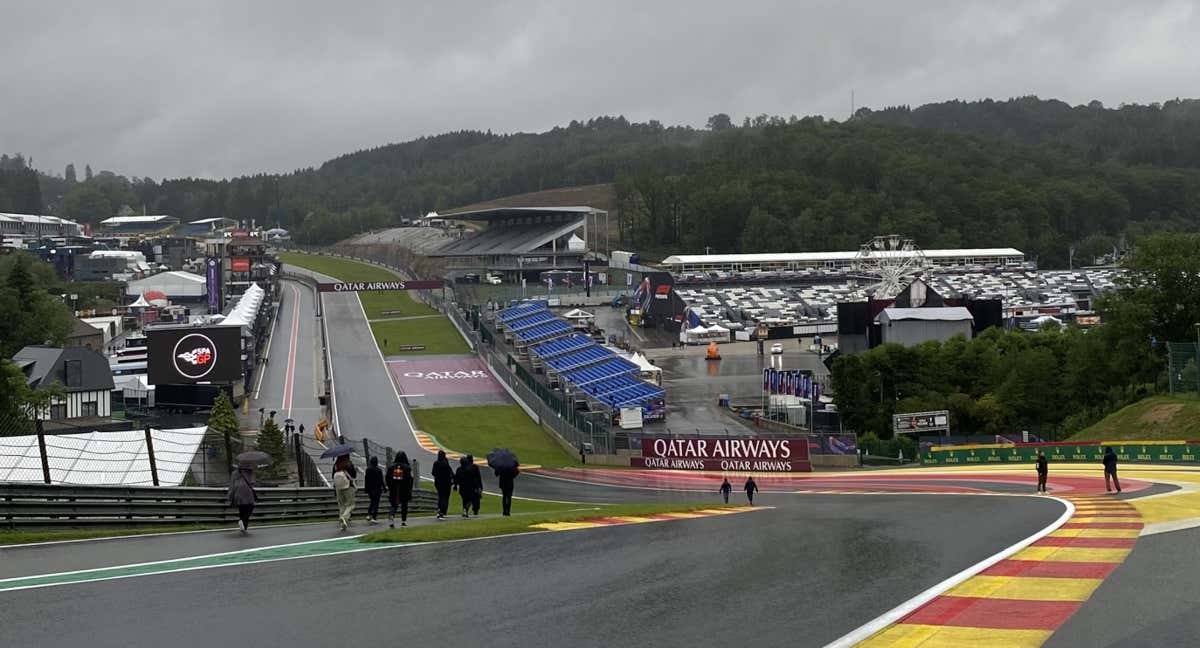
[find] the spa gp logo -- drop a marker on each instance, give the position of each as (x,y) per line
(195,355)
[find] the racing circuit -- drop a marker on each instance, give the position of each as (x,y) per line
(939,556)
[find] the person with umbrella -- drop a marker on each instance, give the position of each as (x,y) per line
(400,485)
(443,481)
(726,489)
(373,484)
(506,467)
(751,488)
(241,491)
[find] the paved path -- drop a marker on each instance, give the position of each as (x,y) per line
(800,574)
(292,378)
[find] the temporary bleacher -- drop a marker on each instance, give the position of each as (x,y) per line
(562,346)
(586,369)
(542,332)
(521,310)
(530,321)
(598,373)
(581,358)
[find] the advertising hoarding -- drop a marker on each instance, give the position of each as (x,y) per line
(747,454)
(193,354)
(212,280)
(375,286)
(239,264)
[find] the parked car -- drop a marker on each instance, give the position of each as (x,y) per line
(777,348)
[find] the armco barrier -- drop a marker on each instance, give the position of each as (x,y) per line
(1085,452)
(40,505)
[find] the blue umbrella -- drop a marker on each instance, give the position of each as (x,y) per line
(502,459)
(339,450)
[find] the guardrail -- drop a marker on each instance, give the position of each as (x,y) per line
(39,505)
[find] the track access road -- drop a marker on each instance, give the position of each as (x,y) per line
(801,574)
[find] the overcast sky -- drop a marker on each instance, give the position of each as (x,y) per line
(214,89)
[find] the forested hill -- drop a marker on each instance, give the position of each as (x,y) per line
(1166,134)
(1016,173)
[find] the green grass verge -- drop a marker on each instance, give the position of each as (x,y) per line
(1165,418)
(521,523)
(476,430)
(491,503)
(375,304)
(436,334)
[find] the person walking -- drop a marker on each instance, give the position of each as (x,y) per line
(751,488)
(1042,470)
(443,481)
(373,484)
(400,485)
(242,495)
(477,484)
(506,478)
(726,489)
(1110,470)
(465,483)
(343,485)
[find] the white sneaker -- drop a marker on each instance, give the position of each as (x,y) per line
(242,526)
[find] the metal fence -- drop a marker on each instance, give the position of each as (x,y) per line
(1183,358)
(38,505)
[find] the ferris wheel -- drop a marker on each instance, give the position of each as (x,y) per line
(892,260)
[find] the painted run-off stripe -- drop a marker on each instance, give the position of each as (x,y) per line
(971,612)
(1021,601)
(911,635)
(643,519)
(1029,588)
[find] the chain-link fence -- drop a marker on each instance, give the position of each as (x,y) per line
(1183,358)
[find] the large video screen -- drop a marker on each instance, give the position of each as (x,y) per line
(192,355)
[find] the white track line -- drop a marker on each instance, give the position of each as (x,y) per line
(412,427)
(900,611)
(289,378)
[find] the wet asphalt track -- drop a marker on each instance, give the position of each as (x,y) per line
(801,574)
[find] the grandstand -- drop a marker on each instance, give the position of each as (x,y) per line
(588,373)
(520,242)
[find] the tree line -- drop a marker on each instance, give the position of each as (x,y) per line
(1053,382)
(1054,180)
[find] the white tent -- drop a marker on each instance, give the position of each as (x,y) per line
(140,303)
(175,284)
(646,369)
(579,318)
(101,458)
(246,308)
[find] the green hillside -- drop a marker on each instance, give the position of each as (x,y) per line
(1157,417)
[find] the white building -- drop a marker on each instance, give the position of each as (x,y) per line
(989,257)
(33,226)
(84,374)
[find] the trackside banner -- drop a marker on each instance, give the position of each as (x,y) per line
(748,454)
(374,286)
(1127,451)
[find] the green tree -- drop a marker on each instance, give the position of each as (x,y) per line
(69,174)
(270,441)
(86,203)
(719,122)
(224,422)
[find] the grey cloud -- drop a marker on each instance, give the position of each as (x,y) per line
(170,89)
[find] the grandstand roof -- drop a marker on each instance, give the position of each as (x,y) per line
(509,239)
(690,259)
(511,212)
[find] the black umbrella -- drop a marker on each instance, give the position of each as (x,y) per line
(339,450)
(502,459)
(254,459)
